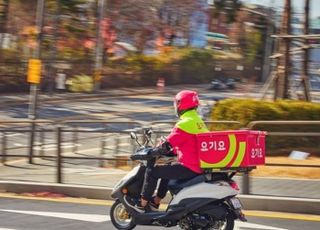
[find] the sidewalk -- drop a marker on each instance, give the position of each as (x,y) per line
(95,182)
(45,96)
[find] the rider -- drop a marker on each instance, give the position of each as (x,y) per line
(182,142)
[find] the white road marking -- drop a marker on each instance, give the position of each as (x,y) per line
(15,134)
(245,225)
(103,218)
(50,147)
(72,216)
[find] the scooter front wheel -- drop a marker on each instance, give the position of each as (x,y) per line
(120,217)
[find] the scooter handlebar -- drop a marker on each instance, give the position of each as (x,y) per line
(143,154)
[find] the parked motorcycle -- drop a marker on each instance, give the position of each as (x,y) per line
(207,201)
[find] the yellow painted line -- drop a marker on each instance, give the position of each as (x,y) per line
(14,161)
(265,214)
(282,215)
(61,200)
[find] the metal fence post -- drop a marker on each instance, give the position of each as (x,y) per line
(4,148)
(42,140)
(116,151)
(131,150)
(59,157)
(246,183)
(75,140)
(31,141)
(102,153)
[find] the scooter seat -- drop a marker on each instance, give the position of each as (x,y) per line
(176,185)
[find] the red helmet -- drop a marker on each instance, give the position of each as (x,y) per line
(186,99)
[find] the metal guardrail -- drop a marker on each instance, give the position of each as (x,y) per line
(19,123)
(252,125)
(107,129)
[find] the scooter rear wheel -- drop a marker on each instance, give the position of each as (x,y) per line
(225,224)
(228,223)
(120,218)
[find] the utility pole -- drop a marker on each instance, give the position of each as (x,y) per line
(99,46)
(32,113)
(287,60)
(305,73)
(282,81)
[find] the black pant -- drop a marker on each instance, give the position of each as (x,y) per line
(165,173)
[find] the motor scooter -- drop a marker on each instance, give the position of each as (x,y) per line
(207,201)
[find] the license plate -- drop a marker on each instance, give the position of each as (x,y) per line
(236,203)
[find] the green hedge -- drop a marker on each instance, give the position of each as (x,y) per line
(247,110)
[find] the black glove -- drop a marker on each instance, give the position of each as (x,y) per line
(158,151)
(142,154)
(165,149)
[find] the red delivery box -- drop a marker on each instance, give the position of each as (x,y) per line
(231,149)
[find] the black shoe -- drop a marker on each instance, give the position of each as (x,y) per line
(153,205)
(136,206)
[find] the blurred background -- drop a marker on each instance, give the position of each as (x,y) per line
(86,45)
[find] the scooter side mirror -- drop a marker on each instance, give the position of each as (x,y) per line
(133,136)
(148,132)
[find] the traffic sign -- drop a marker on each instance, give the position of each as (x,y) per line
(34,71)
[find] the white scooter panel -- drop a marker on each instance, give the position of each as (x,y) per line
(204,190)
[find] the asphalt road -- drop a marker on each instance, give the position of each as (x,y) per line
(74,214)
(141,108)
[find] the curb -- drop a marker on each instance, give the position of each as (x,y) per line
(250,202)
(281,204)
